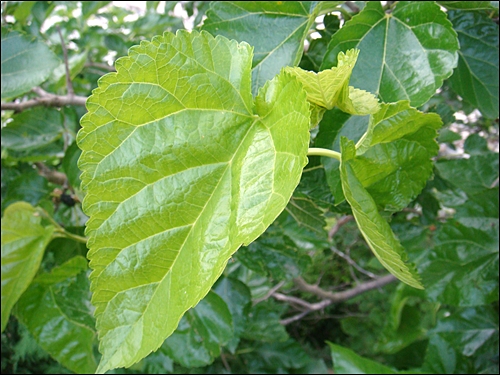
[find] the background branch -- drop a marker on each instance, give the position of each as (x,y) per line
(45,99)
(69,85)
(51,175)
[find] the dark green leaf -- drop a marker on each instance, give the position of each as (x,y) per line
(405,55)
(34,134)
(69,165)
(307,214)
(375,229)
(462,269)
(251,22)
(23,243)
(345,361)
(225,168)
(29,186)
(476,77)
(467,5)
(274,255)
(464,341)
(64,297)
(264,324)
(26,63)
(201,333)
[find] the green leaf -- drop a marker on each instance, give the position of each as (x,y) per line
(393,159)
(462,269)
(237,297)
(26,63)
(201,333)
(307,214)
(69,165)
(64,297)
(219,177)
(23,243)
(467,5)
(251,21)
(345,361)
(34,135)
(264,324)
(29,186)
(330,87)
(476,77)
(375,229)
(464,341)
(405,55)
(274,255)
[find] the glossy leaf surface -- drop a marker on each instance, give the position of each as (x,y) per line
(375,229)
(345,361)
(476,77)
(23,243)
(405,55)
(179,173)
(26,63)
(251,22)
(64,297)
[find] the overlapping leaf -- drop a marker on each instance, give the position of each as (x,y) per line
(476,77)
(375,229)
(23,243)
(405,55)
(26,63)
(251,22)
(64,297)
(201,333)
(179,173)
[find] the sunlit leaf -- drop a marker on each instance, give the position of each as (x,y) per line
(179,173)
(375,229)
(23,243)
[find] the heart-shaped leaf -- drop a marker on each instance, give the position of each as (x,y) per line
(179,173)
(405,55)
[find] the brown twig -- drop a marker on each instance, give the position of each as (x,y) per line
(51,175)
(340,222)
(45,99)
(102,66)
(352,263)
(269,293)
(69,84)
(328,297)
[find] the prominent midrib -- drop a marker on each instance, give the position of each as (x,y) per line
(193,225)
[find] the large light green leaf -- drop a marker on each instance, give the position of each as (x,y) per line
(64,297)
(179,173)
(26,63)
(23,243)
(252,22)
(375,229)
(476,77)
(201,333)
(405,55)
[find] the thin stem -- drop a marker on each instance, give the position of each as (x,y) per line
(60,231)
(69,84)
(324,152)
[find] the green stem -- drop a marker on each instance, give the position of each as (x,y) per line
(324,152)
(60,231)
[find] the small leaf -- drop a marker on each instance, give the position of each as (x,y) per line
(64,296)
(26,63)
(251,21)
(214,166)
(201,333)
(345,361)
(375,229)
(330,88)
(23,243)
(405,55)
(476,77)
